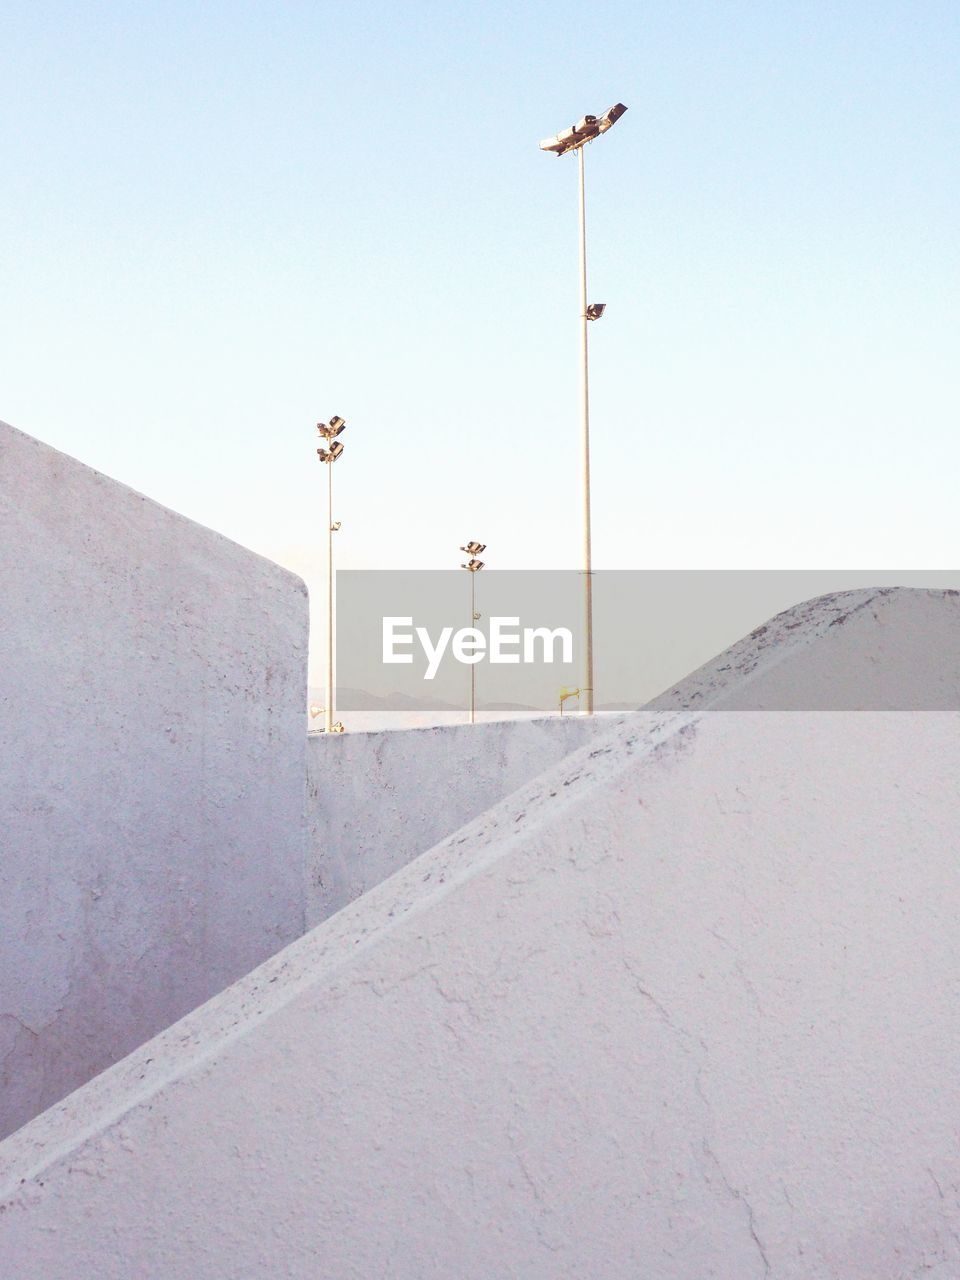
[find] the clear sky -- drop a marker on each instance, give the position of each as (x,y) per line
(223,221)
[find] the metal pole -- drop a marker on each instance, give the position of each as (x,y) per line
(473,665)
(587,702)
(329,699)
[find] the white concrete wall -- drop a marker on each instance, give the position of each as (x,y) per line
(683,1006)
(685,1009)
(887,649)
(376,800)
(152,683)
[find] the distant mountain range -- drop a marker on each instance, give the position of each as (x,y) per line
(360,700)
(422,709)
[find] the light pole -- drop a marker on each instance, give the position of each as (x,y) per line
(329,432)
(575,139)
(473,567)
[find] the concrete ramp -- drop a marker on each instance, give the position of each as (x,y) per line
(684,1006)
(886,649)
(377,800)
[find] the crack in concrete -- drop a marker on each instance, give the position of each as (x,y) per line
(739,970)
(689,1041)
(739,1196)
(543,1208)
(21,1024)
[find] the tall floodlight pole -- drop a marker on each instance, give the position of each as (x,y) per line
(575,139)
(329,432)
(473,567)
(585,454)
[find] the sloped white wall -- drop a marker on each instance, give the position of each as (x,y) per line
(152,684)
(684,1005)
(376,800)
(684,1008)
(886,649)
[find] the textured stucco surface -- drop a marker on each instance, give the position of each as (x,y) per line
(681,1006)
(152,683)
(884,649)
(376,800)
(684,1006)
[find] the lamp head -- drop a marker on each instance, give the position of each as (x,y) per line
(610,117)
(332,429)
(586,128)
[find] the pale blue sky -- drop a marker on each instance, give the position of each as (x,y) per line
(221,222)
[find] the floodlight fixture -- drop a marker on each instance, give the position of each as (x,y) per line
(331,429)
(585,130)
(474,548)
(611,116)
(595,310)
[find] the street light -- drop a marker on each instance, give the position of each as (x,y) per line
(329,431)
(575,139)
(473,567)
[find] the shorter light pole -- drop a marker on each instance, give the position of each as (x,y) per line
(329,432)
(473,567)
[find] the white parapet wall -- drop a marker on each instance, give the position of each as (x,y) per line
(682,1006)
(152,685)
(376,800)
